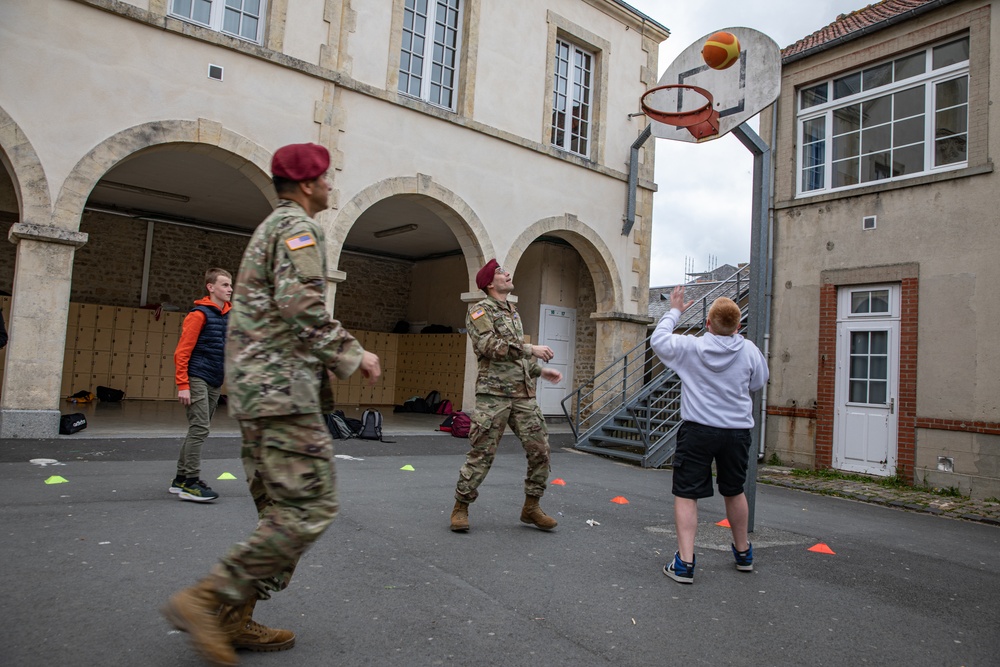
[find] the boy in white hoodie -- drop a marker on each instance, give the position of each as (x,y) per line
(718,371)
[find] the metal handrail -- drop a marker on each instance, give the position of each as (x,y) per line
(630,379)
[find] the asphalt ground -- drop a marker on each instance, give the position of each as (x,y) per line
(88,562)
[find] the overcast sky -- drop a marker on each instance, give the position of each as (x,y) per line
(703,205)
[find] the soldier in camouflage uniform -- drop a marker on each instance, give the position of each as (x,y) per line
(505,394)
(282,344)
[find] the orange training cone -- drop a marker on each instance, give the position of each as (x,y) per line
(621,500)
(821,548)
(558,481)
(724,523)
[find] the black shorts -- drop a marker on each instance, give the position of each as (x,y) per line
(697,446)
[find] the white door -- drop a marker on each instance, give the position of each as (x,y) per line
(557,329)
(866,422)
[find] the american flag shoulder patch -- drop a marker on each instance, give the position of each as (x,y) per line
(300,241)
(477,313)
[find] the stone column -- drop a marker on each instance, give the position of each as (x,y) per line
(43,273)
(617,333)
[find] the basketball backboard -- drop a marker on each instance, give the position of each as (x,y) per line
(739,92)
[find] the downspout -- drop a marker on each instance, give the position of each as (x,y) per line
(769,284)
(633,178)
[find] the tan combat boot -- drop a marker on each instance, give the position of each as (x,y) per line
(195,610)
(460,517)
(533,514)
(247,634)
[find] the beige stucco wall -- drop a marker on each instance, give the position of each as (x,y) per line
(946,224)
(79,105)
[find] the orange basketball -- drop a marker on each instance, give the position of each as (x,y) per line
(721,50)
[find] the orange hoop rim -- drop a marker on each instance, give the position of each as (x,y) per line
(679,118)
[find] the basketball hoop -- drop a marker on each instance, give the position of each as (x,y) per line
(702,122)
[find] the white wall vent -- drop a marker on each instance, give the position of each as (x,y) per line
(215,72)
(868,222)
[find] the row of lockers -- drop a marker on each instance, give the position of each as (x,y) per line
(121,318)
(118,363)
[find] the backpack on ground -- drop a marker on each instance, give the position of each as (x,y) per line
(71,423)
(82,396)
(461,424)
(444,407)
(371,425)
(446,424)
(339,429)
(109,395)
(432,400)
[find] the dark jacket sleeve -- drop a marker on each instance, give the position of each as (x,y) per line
(3,333)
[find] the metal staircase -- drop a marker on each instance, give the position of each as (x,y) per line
(631,409)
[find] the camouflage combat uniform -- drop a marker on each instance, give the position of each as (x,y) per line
(281,343)
(505,394)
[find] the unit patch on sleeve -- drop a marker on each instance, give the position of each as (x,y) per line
(477,313)
(300,241)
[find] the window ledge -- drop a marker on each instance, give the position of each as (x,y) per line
(986,168)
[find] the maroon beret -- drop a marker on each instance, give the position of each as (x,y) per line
(485,275)
(300,162)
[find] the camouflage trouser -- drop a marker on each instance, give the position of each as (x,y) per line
(492,414)
(296,500)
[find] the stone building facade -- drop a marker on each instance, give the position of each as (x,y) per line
(136,136)
(883,343)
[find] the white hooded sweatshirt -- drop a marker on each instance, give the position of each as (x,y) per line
(718,373)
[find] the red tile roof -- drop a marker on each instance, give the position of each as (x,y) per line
(855,24)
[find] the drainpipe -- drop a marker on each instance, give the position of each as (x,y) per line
(633,179)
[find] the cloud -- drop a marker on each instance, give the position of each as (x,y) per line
(703,206)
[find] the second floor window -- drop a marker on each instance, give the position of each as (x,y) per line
(572,92)
(894,120)
(428,59)
(240,18)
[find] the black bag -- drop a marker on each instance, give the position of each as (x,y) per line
(371,425)
(71,423)
(109,395)
(432,400)
(338,428)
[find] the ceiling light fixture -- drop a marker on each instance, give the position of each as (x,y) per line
(392,231)
(139,190)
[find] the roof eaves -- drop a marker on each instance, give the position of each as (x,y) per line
(855,27)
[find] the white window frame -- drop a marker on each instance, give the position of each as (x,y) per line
(431,80)
(573,80)
(825,111)
(218,10)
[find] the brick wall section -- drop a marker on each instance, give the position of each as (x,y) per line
(180,257)
(826,375)
(984,428)
(907,409)
(803,413)
(375,295)
(586,328)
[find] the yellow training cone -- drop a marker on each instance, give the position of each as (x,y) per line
(407,467)
(56,479)
(226,475)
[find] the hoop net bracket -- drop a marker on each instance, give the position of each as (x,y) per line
(702,122)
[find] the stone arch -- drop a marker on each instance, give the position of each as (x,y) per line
(592,249)
(18,156)
(206,135)
(453,210)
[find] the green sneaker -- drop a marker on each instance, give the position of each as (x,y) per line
(175,486)
(197,491)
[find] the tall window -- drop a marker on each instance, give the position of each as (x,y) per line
(897,119)
(572,98)
(428,59)
(240,18)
